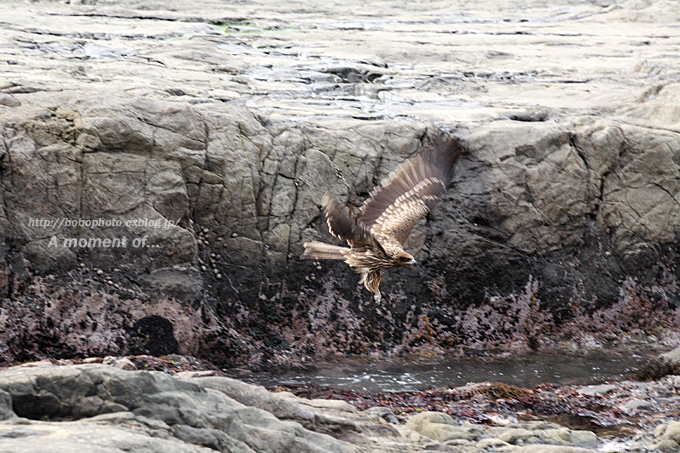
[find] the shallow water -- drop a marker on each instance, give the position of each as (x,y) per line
(404,375)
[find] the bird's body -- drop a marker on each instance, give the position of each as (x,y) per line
(376,237)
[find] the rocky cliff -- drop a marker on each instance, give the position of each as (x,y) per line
(161,166)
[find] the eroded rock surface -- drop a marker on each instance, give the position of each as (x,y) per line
(87,407)
(114,410)
(199,140)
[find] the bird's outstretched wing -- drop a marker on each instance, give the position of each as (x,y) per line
(410,191)
(343,225)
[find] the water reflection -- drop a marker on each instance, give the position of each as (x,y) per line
(404,375)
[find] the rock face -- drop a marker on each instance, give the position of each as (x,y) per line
(159,161)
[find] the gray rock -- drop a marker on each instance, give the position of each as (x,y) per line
(81,437)
(558,436)
(541,433)
(602,389)
(490,443)
(513,436)
(336,405)
(281,407)
(550,449)
(586,439)
(120,362)
(672,356)
(430,417)
(637,405)
(668,436)
(441,427)
(385,413)
(9,101)
(6,411)
(666,445)
(135,408)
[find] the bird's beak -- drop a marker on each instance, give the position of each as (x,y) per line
(412,262)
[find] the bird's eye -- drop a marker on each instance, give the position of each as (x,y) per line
(404,259)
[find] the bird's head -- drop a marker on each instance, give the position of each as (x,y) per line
(404,259)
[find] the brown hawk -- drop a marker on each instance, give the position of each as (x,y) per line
(377,235)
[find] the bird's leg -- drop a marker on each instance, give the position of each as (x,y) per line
(377,297)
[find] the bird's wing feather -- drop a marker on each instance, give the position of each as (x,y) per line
(410,191)
(342,225)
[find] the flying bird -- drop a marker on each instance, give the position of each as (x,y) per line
(377,235)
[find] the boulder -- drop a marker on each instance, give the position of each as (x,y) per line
(672,356)
(550,449)
(282,407)
(441,427)
(98,407)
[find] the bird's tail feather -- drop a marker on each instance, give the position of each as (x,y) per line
(321,251)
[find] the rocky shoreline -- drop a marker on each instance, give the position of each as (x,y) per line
(118,404)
